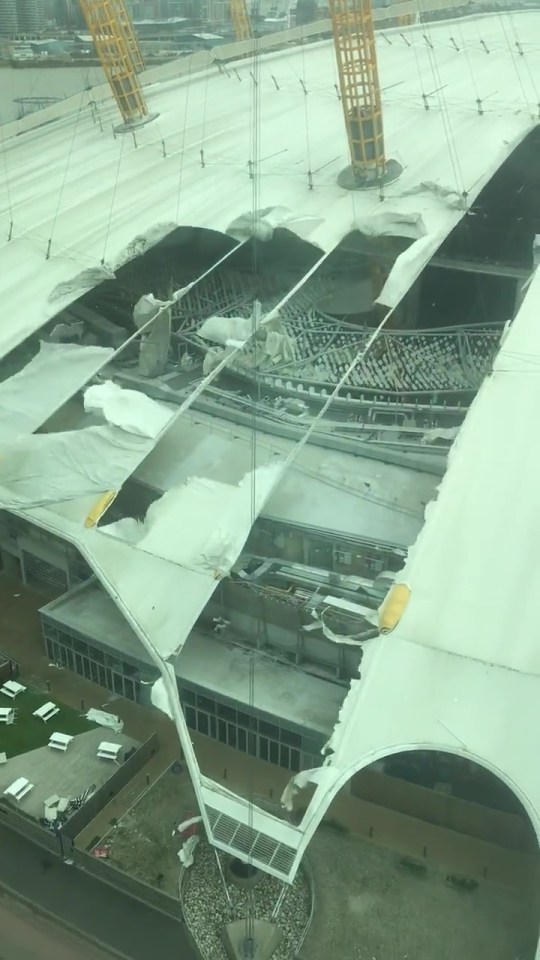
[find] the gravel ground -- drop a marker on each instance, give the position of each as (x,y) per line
(206,909)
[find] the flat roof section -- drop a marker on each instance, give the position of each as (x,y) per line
(89,610)
(279,690)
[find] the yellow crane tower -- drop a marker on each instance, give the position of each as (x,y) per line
(354,42)
(132,40)
(240,19)
(115,51)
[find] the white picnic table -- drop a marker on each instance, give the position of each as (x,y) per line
(19,788)
(108,750)
(12,688)
(7,715)
(46,711)
(60,741)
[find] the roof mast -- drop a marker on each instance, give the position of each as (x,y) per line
(354,42)
(240,19)
(119,54)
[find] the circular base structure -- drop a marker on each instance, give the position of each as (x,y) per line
(350,181)
(135,124)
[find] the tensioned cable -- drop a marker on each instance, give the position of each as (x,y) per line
(6,177)
(113,198)
(183,142)
(66,171)
(443,107)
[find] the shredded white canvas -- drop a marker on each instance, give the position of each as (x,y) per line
(203,524)
(131,410)
(229,331)
(51,467)
(30,397)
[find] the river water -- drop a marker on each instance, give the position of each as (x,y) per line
(42,82)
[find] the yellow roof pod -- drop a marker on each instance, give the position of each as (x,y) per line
(393,607)
(99,508)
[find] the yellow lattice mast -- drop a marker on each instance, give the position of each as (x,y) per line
(132,40)
(354,42)
(240,19)
(115,55)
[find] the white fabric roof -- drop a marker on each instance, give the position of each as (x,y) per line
(30,397)
(461,670)
(106,198)
(473,573)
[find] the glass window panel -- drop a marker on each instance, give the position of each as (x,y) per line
(80,646)
(269,729)
(49,648)
(263,748)
(295,760)
(222,731)
(204,703)
(293,739)
(231,735)
(102,675)
(252,744)
(190,715)
(228,713)
(241,739)
(86,668)
(118,683)
(99,656)
(202,722)
(187,696)
(273,753)
(213,727)
(246,720)
(284,758)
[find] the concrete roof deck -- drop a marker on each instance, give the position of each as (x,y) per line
(65,774)
(281,690)
(89,610)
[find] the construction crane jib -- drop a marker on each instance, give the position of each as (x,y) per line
(240,19)
(354,42)
(119,53)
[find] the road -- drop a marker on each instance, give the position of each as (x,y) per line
(93,908)
(27,936)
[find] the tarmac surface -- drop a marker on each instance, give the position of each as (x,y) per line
(95,910)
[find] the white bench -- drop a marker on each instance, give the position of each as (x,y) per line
(109,751)
(19,788)
(47,711)
(7,715)
(60,741)
(11,689)
(3,756)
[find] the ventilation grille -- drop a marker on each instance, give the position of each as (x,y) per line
(244,841)
(40,573)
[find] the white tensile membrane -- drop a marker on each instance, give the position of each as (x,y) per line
(30,397)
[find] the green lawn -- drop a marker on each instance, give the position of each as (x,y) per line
(28,732)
